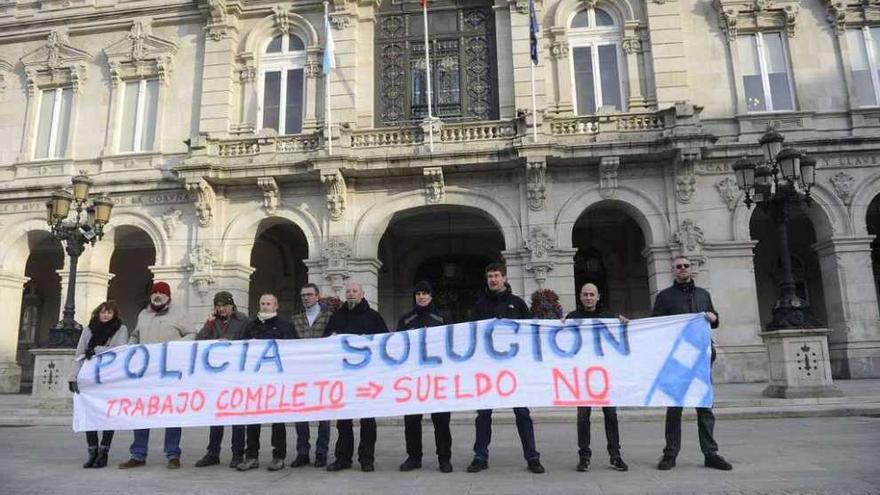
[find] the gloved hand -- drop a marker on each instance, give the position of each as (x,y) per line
(74,388)
(90,353)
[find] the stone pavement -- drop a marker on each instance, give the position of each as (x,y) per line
(803,446)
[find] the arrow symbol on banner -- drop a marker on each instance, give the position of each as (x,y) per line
(369,391)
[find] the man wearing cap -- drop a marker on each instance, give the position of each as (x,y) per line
(157,323)
(425,314)
(310,324)
(224,323)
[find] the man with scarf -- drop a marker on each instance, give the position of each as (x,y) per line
(355,317)
(425,314)
(685,297)
(497,301)
(104,331)
(157,323)
(267,325)
(590,308)
(225,322)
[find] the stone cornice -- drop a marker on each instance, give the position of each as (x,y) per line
(750,16)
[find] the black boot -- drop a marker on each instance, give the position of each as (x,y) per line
(93,454)
(101,460)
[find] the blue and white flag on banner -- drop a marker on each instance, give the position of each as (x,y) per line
(533,32)
(686,375)
(329,46)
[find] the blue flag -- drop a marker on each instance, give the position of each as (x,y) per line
(329,57)
(533,32)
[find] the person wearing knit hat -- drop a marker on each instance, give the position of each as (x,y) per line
(425,314)
(159,322)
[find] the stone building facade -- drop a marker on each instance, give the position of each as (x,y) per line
(205,121)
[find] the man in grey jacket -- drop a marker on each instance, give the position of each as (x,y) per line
(157,323)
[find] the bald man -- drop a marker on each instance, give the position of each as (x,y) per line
(355,317)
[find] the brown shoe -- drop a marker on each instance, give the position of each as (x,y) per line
(173,463)
(132,463)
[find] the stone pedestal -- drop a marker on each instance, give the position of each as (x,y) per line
(51,367)
(799,364)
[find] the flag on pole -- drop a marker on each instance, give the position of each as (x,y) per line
(329,46)
(533,32)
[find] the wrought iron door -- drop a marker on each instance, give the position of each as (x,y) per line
(463,61)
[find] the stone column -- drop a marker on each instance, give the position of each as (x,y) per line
(851,303)
(658,259)
(11,287)
(91,290)
(515,260)
(177,277)
(366,272)
(235,279)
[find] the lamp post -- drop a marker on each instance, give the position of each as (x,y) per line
(84,225)
(783,179)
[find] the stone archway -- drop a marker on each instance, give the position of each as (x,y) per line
(277,256)
(133,255)
(609,245)
(449,246)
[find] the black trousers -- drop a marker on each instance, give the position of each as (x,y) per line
(215,439)
(345,441)
(279,441)
(705,428)
(524,427)
(612,433)
(106,438)
(412,429)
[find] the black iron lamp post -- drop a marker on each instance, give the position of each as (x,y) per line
(84,225)
(782,179)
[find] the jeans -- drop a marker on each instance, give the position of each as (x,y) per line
(612,434)
(523,425)
(322,444)
(138,448)
(705,428)
(279,441)
(215,438)
(106,438)
(345,441)
(442,436)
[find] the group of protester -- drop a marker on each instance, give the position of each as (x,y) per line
(161,322)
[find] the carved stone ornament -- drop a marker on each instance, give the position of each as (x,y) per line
(170,219)
(335,192)
(521,6)
(729,192)
(336,254)
(559,50)
(203,197)
(540,271)
(539,244)
(220,23)
(842,183)
(608,168)
(281,18)
(631,45)
(271,195)
(140,55)
(536,185)
(435,187)
(685,180)
(851,13)
(5,72)
(750,16)
(56,63)
(689,237)
(201,260)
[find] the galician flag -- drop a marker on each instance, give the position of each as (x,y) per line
(330,47)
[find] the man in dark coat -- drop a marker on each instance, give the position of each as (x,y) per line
(497,301)
(685,297)
(225,322)
(355,317)
(425,314)
(267,325)
(590,308)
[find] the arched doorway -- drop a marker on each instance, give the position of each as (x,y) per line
(277,258)
(133,255)
(609,246)
(449,246)
(41,298)
(873,222)
(804,262)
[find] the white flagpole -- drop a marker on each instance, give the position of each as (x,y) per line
(328,118)
(428,75)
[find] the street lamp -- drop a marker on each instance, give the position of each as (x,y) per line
(84,225)
(783,178)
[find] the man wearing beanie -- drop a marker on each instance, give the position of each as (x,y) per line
(157,323)
(425,314)
(225,322)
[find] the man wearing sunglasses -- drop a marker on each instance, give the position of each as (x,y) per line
(685,297)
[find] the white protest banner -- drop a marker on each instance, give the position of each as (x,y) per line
(477,365)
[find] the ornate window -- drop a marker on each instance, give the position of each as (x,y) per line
(140,101)
(764,67)
(463,61)
(595,43)
(864,59)
(53,127)
(282,84)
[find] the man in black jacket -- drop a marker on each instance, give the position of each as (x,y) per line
(425,314)
(589,297)
(684,297)
(355,317)
(497,301)
(267,325)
